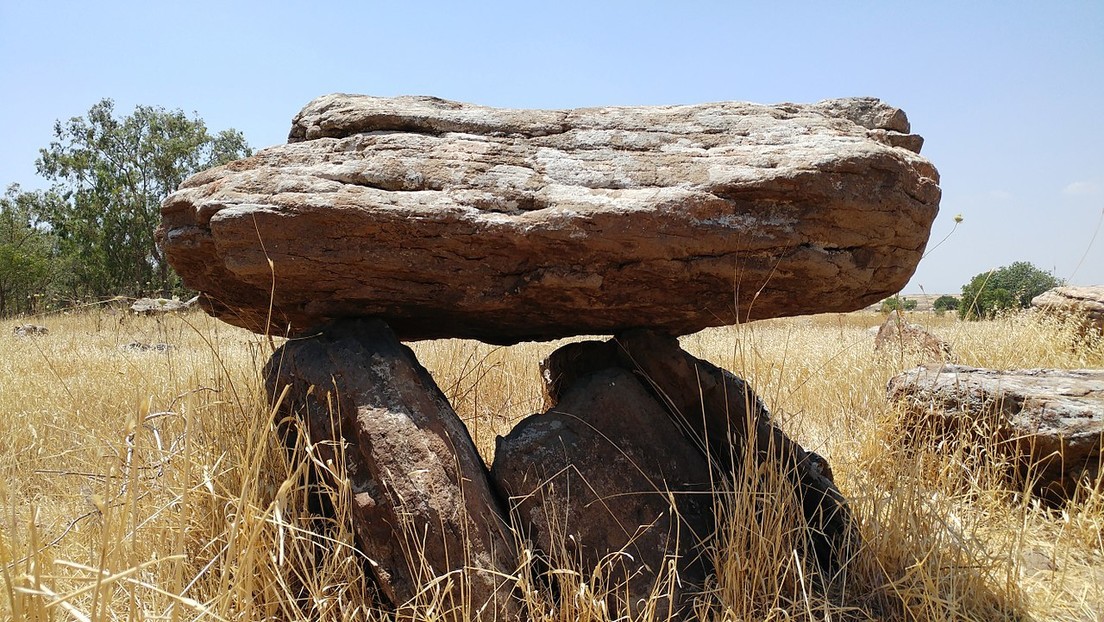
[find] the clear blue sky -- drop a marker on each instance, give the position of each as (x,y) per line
(1009,95)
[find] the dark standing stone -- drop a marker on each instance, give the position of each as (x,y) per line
(605,481)
(419,488)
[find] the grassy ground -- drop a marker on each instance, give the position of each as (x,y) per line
(148,485)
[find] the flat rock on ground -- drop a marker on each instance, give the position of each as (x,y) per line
(153,306)
(454,220)
(1086,301)
(1051,418)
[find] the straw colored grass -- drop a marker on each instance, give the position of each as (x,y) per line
(147,485)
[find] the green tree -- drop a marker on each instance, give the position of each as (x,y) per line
(945,303)
(1007,287)
(113,174)
(29,266)
(897,303)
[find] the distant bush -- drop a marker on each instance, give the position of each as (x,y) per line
(897,303)
(945,303)
(1007,287)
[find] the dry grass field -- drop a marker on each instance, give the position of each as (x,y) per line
(149,484)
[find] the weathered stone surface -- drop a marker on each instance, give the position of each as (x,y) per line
(606,485)
(454,220)
(420,492)
(1085,301)
(714,409)
(898,334)
(153,306)
(1053,419)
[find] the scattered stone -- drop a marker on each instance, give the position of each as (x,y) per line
(419,489)
(453,220)
(30,330)
(606,485)
(1049,420)
(1086,302)
(139,346)
(898,334)
(154,306)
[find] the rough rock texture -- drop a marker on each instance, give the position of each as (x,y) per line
(1087,301)
(419,488)
(1051,418)
(898,334)
(453,220)
(713,409)
(605,481)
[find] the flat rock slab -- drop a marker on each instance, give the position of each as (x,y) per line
(154,306)
(453,220)
(1052,417)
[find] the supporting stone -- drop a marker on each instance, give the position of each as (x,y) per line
(605,484)
(422,506)
(715,410)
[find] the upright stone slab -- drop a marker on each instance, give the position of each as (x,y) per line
(422,506)
(718,413)
(454,220)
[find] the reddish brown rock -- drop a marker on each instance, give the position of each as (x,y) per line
(1052,420)
(422,506)
(454,220)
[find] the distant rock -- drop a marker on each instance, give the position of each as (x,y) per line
(1051,419)
(30,330)
(140,346)
(898,334)
(153,306)
(1084,301)
(454,220)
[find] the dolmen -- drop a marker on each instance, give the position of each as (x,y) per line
(386,220)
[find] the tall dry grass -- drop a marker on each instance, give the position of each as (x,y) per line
(149,485)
